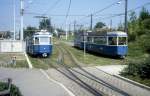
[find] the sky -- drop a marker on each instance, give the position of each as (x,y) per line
(57,10)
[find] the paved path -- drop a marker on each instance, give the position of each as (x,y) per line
(112,69)
(32,82)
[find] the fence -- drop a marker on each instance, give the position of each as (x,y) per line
(12,46)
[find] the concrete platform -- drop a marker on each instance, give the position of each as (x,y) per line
(32,82)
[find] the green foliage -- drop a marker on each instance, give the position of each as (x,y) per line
(144,41)
(139,69)
(46,24)
(146,23)
(29,31)
(14,91)
(120,27)
(144,69)
(99,25)
(144,14)
(3,86)
(137,26)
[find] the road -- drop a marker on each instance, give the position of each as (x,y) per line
(32,82)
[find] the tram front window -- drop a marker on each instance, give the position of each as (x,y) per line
(36,40)
(122,40)
(112,40)
(44,40)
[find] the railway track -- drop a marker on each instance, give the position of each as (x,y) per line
(88,81)
(92,85)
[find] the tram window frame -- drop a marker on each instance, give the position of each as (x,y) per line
(102,40)
(36,40)
(124,42)
(112,41)
(90,39)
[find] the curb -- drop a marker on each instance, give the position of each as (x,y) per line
(133,82)
(127,80)
(28,60)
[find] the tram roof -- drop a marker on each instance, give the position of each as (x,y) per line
(113,33)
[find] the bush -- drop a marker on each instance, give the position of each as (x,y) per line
(131,69)
(144,41)
(144,69)
(141,69)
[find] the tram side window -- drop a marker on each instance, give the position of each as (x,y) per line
(112,40)
(100,40)
(89,39)
(36,40)
(122,40)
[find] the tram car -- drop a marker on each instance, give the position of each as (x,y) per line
(40,44)
(107,43)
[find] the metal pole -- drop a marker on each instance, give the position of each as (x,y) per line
(84,46)
(22,12)
(66,31)
(91,26)
(111,25)
(126,17)
(14,20)
(74,26)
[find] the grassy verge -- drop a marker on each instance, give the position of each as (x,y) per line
(6,60)
(92,59)
(138,64)
(138,79)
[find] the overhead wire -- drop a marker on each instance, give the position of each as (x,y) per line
(94,13)
(51,7)
(121,14)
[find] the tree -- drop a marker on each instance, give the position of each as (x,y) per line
(144,14)
(146,23)
(99,25)
(46,24)
(29,31)
(132,26)
(120,27)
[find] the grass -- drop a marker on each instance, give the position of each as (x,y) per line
(92,59)
(136,54)
(138,79)
(6,60)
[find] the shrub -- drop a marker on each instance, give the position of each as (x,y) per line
(144,41)
(141,69)
(144,69)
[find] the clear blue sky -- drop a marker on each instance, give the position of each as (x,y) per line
(78,7)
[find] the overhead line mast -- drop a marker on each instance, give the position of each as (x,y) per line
(21,21)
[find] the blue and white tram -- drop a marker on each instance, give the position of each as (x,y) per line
(40,44)
(107,43)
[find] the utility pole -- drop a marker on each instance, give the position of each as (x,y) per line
(74,26)
(14,20)
(91,26)
(111,25)
(126,18)
(21,13)
(66,31)
(69,32)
